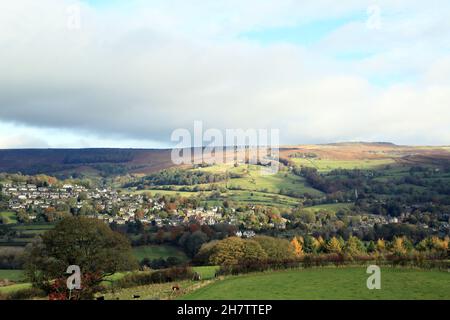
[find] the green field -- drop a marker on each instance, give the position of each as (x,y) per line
(255,180)
(36,227)
(206,272)
(158,291)
(8,217)
(260,198)
(25,233)
(328,165)
(155,252)
(249,186)
(15,288)
(329,207)
(328,283)
(155,192)
(12,275)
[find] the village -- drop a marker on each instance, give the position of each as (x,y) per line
(118,207)
(106,204)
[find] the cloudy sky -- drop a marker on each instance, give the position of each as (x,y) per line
(103,73)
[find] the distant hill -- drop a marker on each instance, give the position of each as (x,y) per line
(86,161)
(107,162)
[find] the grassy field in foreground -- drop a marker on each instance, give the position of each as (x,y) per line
(15,288)
(157,291)
(155,252)
(328,283)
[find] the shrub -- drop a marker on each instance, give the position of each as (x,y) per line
(275,248)
(160,276)
(11,258)
(26,294)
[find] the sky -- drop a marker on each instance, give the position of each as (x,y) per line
(127,73)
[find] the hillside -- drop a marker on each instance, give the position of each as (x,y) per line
(108,162)
(83,161)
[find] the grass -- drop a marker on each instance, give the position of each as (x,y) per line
(13,275)
(328,283)
(26,233)
(261,198)
(252,187)
(328,165)
(160,291)
(8,217)
(334,207)
(155,252)
(206,272)
(254,180)
(15,288)
(36,227)
(166,192)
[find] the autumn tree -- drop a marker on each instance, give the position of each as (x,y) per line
(334,245)
(276,248)
(297,246)
(253,252)
(398,246)
(381,245)
(85,242)
(229,251)
(354,246)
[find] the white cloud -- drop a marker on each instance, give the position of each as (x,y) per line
(139,75)
(18,141)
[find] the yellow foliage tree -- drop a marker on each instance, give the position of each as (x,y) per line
(321,244)
(381,245)
(438,244)
(297,246)
(334,246)
(398,246)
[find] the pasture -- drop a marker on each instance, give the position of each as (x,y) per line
(12,275)
(328,283)
(206,272)
(8,217)
(328,165)
(334,207)
(15,287)
(156,252)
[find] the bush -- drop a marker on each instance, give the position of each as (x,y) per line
(160,263)
(276,248)
(11,258)
(160,276)
(234,250)
(26,294)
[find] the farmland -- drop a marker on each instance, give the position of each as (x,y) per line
(156,252)
(328,283)
(12,275)
(343,283)
(25,233)
(336,193)
(8,217)
(324,165)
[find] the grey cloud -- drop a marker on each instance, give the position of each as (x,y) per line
(142,82)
